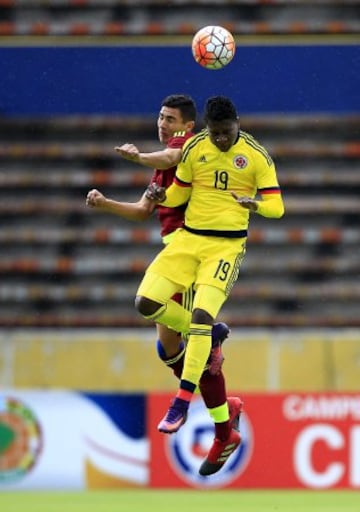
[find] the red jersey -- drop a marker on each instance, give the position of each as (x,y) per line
(170,218)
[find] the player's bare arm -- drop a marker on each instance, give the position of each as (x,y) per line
(138,211)
(164,159)
(128,152)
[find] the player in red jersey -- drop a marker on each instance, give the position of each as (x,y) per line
(175,125)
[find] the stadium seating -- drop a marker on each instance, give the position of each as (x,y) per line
(63,264)
(98,18)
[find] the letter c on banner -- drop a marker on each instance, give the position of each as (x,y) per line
(303,456)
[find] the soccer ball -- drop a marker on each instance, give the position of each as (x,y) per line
(213,47)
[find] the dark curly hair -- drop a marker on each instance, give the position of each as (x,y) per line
(219,108)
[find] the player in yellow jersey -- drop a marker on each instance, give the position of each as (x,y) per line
(175,124)
(221,172)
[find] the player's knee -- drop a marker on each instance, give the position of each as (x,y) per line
(200,316)
(145,306)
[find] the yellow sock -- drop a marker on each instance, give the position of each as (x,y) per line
(220,414)
(197,352)
(173,315)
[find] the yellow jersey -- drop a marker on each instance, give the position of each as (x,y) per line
(206,176)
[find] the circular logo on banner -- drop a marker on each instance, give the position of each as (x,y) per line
(187,449)
(20,439)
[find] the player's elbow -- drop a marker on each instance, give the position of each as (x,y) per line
(165,163)
(280,212)
(170,158)
(145,213)
(164,166)
(278,208)
(144,208)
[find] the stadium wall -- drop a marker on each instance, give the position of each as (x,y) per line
(126,361)
(128,79)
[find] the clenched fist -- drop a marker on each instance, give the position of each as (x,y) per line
(95,199)
(128,151)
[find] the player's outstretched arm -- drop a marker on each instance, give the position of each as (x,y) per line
(138,211)
(128,152)
(164,159)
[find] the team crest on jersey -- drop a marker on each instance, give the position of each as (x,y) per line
(240,161)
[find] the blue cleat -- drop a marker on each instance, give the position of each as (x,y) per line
(174,418)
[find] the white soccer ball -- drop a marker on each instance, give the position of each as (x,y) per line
(213,47)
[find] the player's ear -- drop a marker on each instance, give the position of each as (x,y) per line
(190,126)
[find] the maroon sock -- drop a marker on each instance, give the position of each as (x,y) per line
(222,430)
(213,391)
(177,367)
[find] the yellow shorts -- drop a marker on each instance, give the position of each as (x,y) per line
(191,259)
